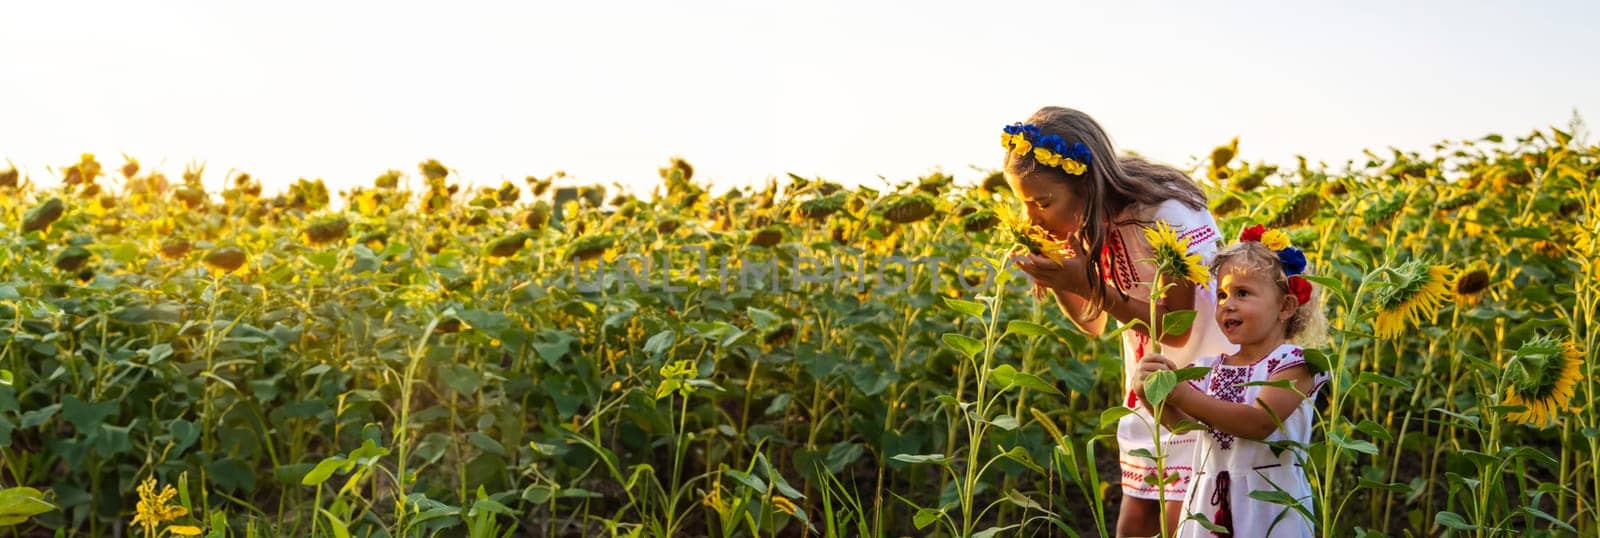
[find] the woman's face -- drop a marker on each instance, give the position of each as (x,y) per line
(1050,204)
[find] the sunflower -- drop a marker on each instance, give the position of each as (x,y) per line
(1300,208)
(1545,374)
(1228,203)
(590,247)
(978,221)
(1172,255)
(509,245)
(1470,284)
(906,209)
(153,508)
(225,259)
(40,218)
(1413,288)
(819,208)
(327,230)
(1030,236)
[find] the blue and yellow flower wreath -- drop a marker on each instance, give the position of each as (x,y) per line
(1048,150)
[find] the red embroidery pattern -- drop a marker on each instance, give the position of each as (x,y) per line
(1116,252)
(1227,384)
(1195,236)
(1133,474)
(1273,367)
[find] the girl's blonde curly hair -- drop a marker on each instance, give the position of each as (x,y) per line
(1308,327)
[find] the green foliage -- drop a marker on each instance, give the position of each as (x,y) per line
(490,368)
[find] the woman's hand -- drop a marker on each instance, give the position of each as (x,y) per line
(1048,274)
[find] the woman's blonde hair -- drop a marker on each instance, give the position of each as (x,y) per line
(1111,183)
(1308,327)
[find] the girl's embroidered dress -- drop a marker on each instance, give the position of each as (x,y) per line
(1120,264)
(1228,468)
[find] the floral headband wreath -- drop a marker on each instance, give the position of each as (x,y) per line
(1291,258)
(1048,150)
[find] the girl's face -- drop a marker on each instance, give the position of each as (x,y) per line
(1251,308)
(1050,204)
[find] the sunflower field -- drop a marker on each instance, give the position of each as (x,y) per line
(418,358)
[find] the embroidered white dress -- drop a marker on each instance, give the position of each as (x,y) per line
(1228,468)
(1124,266)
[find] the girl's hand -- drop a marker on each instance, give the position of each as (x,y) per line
(1066,275)
(1150,364)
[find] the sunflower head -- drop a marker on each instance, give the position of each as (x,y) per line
(1172,257)
(1470,283)
(225,259)
(978,221)
(819,208)
(1300,208)
(1413,289)
(1543,377)
(1226,204)
(1029,235)
(909,208)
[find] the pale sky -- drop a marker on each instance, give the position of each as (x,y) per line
(849,91)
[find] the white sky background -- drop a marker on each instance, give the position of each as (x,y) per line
(609,91)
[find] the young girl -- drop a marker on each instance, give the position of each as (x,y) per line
(1262,302)
(1063,167)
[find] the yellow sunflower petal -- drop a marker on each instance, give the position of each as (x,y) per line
(1172,256)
